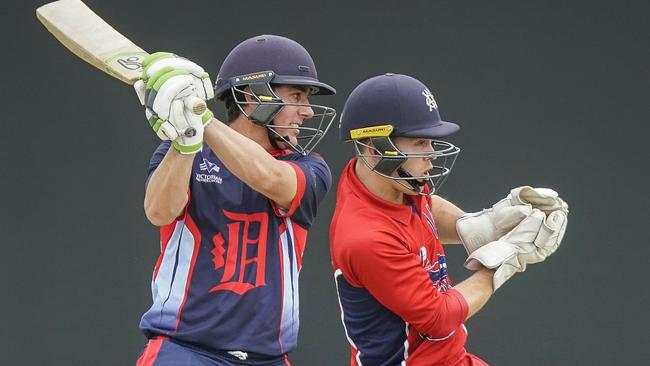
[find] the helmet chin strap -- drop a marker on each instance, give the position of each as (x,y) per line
(273,139)
(415,184)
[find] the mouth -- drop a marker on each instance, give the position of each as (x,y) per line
(293,129)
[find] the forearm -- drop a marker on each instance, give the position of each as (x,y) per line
(251,163)
(445,215)
(477,290)
(166,193)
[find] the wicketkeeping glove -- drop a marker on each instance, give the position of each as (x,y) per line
(479,228)
(532,241)
(170,88)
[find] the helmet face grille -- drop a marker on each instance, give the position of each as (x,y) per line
(391,159)
(267,106)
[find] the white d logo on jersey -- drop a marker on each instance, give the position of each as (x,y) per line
(429,100)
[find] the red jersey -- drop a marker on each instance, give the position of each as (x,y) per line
(398,306)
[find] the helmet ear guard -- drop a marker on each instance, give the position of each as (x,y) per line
(267,103)
(390,159)
(264,112)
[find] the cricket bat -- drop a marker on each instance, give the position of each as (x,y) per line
(93,40)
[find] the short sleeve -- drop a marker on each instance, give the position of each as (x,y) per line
(314,181)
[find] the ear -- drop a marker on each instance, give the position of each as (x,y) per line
(247,97)
(368,147)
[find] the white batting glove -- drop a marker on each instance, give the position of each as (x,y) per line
(183,119)
(479,228)
(169,89)
(532,241)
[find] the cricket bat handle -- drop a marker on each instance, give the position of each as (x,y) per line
(197,106)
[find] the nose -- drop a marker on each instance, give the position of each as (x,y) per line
(430,162)
(431,157)
(305,111)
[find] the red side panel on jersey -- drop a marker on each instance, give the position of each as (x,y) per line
(150,353)
(286,360)
(300,241)
(300,192)
(353,356)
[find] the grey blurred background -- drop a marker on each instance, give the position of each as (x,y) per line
(548,93)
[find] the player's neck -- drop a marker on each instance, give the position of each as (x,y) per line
(377,185)
(253,131)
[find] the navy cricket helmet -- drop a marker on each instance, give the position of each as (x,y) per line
(394,105)
(289,61)
(260,62)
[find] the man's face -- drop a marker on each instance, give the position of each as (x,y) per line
(417,166)
(294,114)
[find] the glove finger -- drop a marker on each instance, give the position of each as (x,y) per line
(151,59)
(527,230)
(176,63)
(178,118)
(536,256)
(208,88)
(551,232)
(544,199)
(563,205)
(167,131)
(199,88)
(140,88)
(491,255)
(515,195)
(509,217)
(163,129)
(175,87)
(538,196)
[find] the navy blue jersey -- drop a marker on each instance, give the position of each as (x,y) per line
(227,275)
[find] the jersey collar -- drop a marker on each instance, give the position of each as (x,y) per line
(275,152)
(401,213)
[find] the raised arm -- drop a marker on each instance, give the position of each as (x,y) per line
(167,189)
(247,160)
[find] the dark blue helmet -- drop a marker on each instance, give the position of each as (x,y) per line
(290,63)
(394,105)
(258,63)
(397,100)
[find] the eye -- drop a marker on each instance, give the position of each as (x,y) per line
(295,97)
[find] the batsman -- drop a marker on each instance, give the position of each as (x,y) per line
(398,304)
(234,202)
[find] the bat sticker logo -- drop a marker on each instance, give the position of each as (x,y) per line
(131,62)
